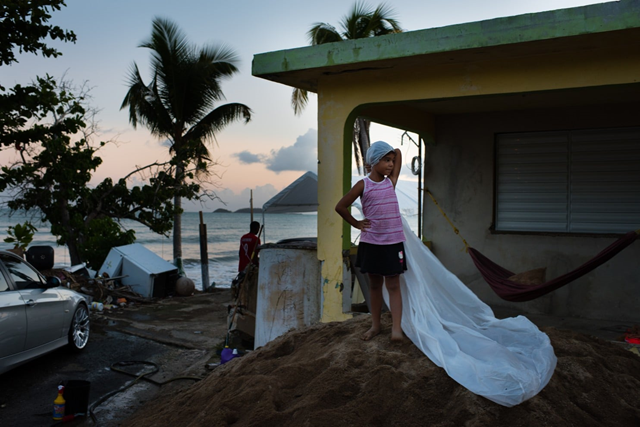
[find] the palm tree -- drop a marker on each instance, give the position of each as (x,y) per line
(179,104)
(360,23)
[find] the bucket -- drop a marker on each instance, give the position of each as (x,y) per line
(41,257)
(76,395)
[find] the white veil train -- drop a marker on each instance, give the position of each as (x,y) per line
(505,360)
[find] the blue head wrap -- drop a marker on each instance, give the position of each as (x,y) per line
(377,151)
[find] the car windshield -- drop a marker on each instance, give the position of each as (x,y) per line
(23,275)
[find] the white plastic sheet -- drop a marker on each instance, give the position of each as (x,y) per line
(505,360)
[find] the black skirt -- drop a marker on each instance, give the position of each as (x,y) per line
(385,260)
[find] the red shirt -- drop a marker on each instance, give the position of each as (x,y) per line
(248,244)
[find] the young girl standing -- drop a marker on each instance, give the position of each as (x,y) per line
(381,249)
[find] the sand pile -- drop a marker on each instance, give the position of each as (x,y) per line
(326,376)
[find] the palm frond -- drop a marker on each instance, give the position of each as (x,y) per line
(352,23)
(169,50)
(299,100)
(383,21)
(321,33)
(217,120)
(145,106)
(169,46)
(363,22)
(171,56)
(222,59)
(135,94)
(213,64)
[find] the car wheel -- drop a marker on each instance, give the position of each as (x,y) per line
(79,330)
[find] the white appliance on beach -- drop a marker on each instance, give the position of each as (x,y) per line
(289,291)
(147,273)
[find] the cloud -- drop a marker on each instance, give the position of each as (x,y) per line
(301,156)
(248,158)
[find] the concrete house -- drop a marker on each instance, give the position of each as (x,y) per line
(531,126)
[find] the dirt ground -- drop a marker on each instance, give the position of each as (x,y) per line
(196,322)
(325,375)
(188,330)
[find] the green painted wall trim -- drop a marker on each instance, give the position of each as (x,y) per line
(346,172)
(598,18)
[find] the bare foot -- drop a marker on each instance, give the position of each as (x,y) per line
(397,336)
(370,334)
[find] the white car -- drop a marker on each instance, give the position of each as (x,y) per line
(37,315)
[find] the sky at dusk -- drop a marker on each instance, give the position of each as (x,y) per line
(275,147)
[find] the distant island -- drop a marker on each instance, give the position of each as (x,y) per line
(248,210)
(243,210)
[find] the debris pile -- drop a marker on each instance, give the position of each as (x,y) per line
(242,313)
(109,291)
(326,375)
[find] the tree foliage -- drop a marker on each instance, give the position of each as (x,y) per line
(52,127)
(21,235)
(23,107)
(53,176)
(24,25)
(103,234)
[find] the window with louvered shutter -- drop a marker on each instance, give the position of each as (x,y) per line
(585,181)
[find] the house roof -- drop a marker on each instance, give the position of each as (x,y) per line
(302,196)
(299,196)
(575,28)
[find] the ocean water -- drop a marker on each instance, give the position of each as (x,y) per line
(223,239)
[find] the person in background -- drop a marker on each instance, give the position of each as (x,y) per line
(248,244)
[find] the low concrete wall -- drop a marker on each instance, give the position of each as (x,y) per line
(460,173)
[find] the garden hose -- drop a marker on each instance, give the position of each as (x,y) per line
(116,367)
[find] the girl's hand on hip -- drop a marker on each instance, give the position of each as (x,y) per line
(364,224)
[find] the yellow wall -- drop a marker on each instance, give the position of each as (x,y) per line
(339,95)
(331,118)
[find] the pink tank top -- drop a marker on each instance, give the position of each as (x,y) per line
(380,206)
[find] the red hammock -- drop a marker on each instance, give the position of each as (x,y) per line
(498,277)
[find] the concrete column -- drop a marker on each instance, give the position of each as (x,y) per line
(331,164)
